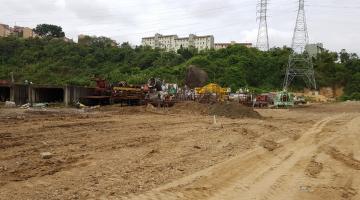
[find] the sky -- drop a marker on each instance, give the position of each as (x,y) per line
(334,23)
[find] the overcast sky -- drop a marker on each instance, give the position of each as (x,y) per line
(332,22)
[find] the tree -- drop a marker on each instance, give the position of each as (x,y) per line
(49,30)
(54,61)
(187,53)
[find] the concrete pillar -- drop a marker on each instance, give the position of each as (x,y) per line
(12,93)
(67,95)
(32,95)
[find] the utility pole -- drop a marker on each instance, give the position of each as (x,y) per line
(300,63)
(263,36)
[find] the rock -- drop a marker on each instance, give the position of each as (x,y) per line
(25,106)
(215,127)
(197,147)
(46,155)
(10,104)
(270,145)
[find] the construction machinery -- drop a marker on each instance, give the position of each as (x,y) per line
(161,94)
(211,93)
(124,93)
(155,92)
(121,92)
(263,100)
(101,95)
(284,99)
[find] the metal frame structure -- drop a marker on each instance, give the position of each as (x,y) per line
(300,63)
(263,36)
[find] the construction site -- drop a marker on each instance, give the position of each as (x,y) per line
(187,151)
(191,139)
(162,141)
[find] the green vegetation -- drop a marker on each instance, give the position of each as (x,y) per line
(48,30)
(52,61)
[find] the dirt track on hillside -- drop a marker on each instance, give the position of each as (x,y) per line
(134,153)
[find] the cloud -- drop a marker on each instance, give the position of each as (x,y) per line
(129,20)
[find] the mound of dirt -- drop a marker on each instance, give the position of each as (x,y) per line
(233,111)
(190,107)
(270,145)
(230,110)
(313,169)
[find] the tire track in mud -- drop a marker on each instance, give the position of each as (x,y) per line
(257,174)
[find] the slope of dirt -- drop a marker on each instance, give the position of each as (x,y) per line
(230,110)
(190,107)
(233,110)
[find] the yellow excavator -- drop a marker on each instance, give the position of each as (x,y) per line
(211,93)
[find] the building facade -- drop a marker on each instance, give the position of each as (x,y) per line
(18,31)
(23,32)
(4,30)
(174,43)
(226,45)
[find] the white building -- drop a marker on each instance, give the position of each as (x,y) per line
(314,49)
(173,42)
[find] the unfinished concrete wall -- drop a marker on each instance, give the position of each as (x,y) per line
(46,94)
(74,93)
(20,94)
(17,93)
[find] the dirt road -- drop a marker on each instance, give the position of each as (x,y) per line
(312,167)
(310,153)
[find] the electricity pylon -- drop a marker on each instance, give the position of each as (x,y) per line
(263,36)
(300,63)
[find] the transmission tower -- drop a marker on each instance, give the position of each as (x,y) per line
(263,37)
(300,63)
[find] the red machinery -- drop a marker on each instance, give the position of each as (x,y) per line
(132,95)
(261,101)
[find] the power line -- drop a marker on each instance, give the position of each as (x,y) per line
(300,63)
(263,35)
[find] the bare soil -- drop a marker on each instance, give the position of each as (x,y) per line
(178,153)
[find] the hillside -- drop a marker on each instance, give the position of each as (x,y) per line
(53,61)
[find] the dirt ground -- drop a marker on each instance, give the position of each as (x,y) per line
(311,153)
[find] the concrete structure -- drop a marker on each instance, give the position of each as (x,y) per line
(17,93)
(226,45)
(23,32)
(22,93)
(174,43)
(4,30)
(314,49)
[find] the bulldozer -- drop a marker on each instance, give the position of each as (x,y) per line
(211,93)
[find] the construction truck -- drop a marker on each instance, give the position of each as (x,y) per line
(284,99)
(124,93)
(121,92)
(263,100)
(211,93)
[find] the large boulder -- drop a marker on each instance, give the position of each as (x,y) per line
(195,77)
